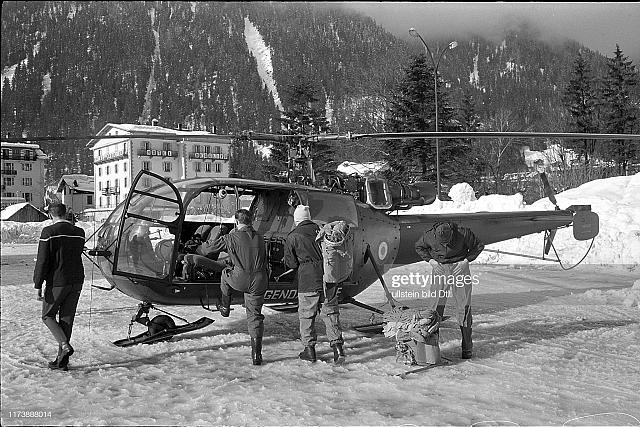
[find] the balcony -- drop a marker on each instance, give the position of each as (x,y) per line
(26,157)
(9,172)
(159,153)
(208,156)
(111,191)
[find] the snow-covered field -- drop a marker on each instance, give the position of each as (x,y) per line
(551,348)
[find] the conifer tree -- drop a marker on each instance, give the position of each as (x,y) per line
(580,98)
(621,113)
(412,109)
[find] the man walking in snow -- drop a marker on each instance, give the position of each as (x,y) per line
(59,264)
(303,253)
(449,248)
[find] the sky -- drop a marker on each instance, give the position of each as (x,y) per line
(596,25)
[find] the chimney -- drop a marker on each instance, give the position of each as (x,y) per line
(154,122)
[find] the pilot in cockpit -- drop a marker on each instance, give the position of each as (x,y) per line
(204,257)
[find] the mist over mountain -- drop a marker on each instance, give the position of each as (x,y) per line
(70,67)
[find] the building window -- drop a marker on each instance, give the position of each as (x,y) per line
(217,149)
(116,183)
(100,201)
(6,152)
(146,145)
(207,167)
(166,166)
(207,149)
(99,171)
(166,146)
(99,154)
(27,197)
(197,167)
(196,148)
(8,181)
(27,167)
(115,168)
(124,166)
(89,200)
(218,168)
(146,165)
(108,171)
(27,181)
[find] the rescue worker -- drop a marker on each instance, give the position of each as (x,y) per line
(449,248)
(303,253)
(248,274)
(59,264)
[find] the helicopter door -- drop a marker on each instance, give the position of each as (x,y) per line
(149,230)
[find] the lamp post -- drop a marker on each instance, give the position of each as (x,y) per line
(436,64)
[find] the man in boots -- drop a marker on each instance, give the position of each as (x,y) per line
(248,274)
(449,248)
(59,264)
(302,252)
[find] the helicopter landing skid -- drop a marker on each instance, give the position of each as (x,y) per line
(160,328)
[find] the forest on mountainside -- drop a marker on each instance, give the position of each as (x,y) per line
(71,67)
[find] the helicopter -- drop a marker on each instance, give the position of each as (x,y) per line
(168,214)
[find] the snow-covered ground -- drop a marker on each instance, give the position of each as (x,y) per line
(551,348)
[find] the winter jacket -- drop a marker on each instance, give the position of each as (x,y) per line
(463,244)
(301,251)
(248,256)
(59,261)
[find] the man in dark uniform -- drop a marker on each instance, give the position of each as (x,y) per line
(449,248)
(248,274)
(59,263)
(303,253)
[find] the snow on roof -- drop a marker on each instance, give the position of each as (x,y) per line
(78,182)
(10,210)
(351,168)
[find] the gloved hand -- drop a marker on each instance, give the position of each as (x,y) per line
(461,267)
(39,297)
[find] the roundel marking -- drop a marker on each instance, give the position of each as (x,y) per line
(383,250)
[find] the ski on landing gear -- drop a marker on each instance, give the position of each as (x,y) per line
(160,328)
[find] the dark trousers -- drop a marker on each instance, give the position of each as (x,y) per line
(253,304)
(60,301)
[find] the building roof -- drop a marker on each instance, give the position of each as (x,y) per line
(35,147)
(11,210)
(155,131)
(78,182)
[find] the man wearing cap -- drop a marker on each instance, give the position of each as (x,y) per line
(303,253)
(449,248)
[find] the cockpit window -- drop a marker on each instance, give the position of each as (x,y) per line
(145,248)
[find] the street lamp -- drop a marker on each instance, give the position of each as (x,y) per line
(436,64)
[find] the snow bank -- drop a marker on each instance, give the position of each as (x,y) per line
(616,201)
(29,232)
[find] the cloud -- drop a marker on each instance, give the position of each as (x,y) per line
(598,26)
